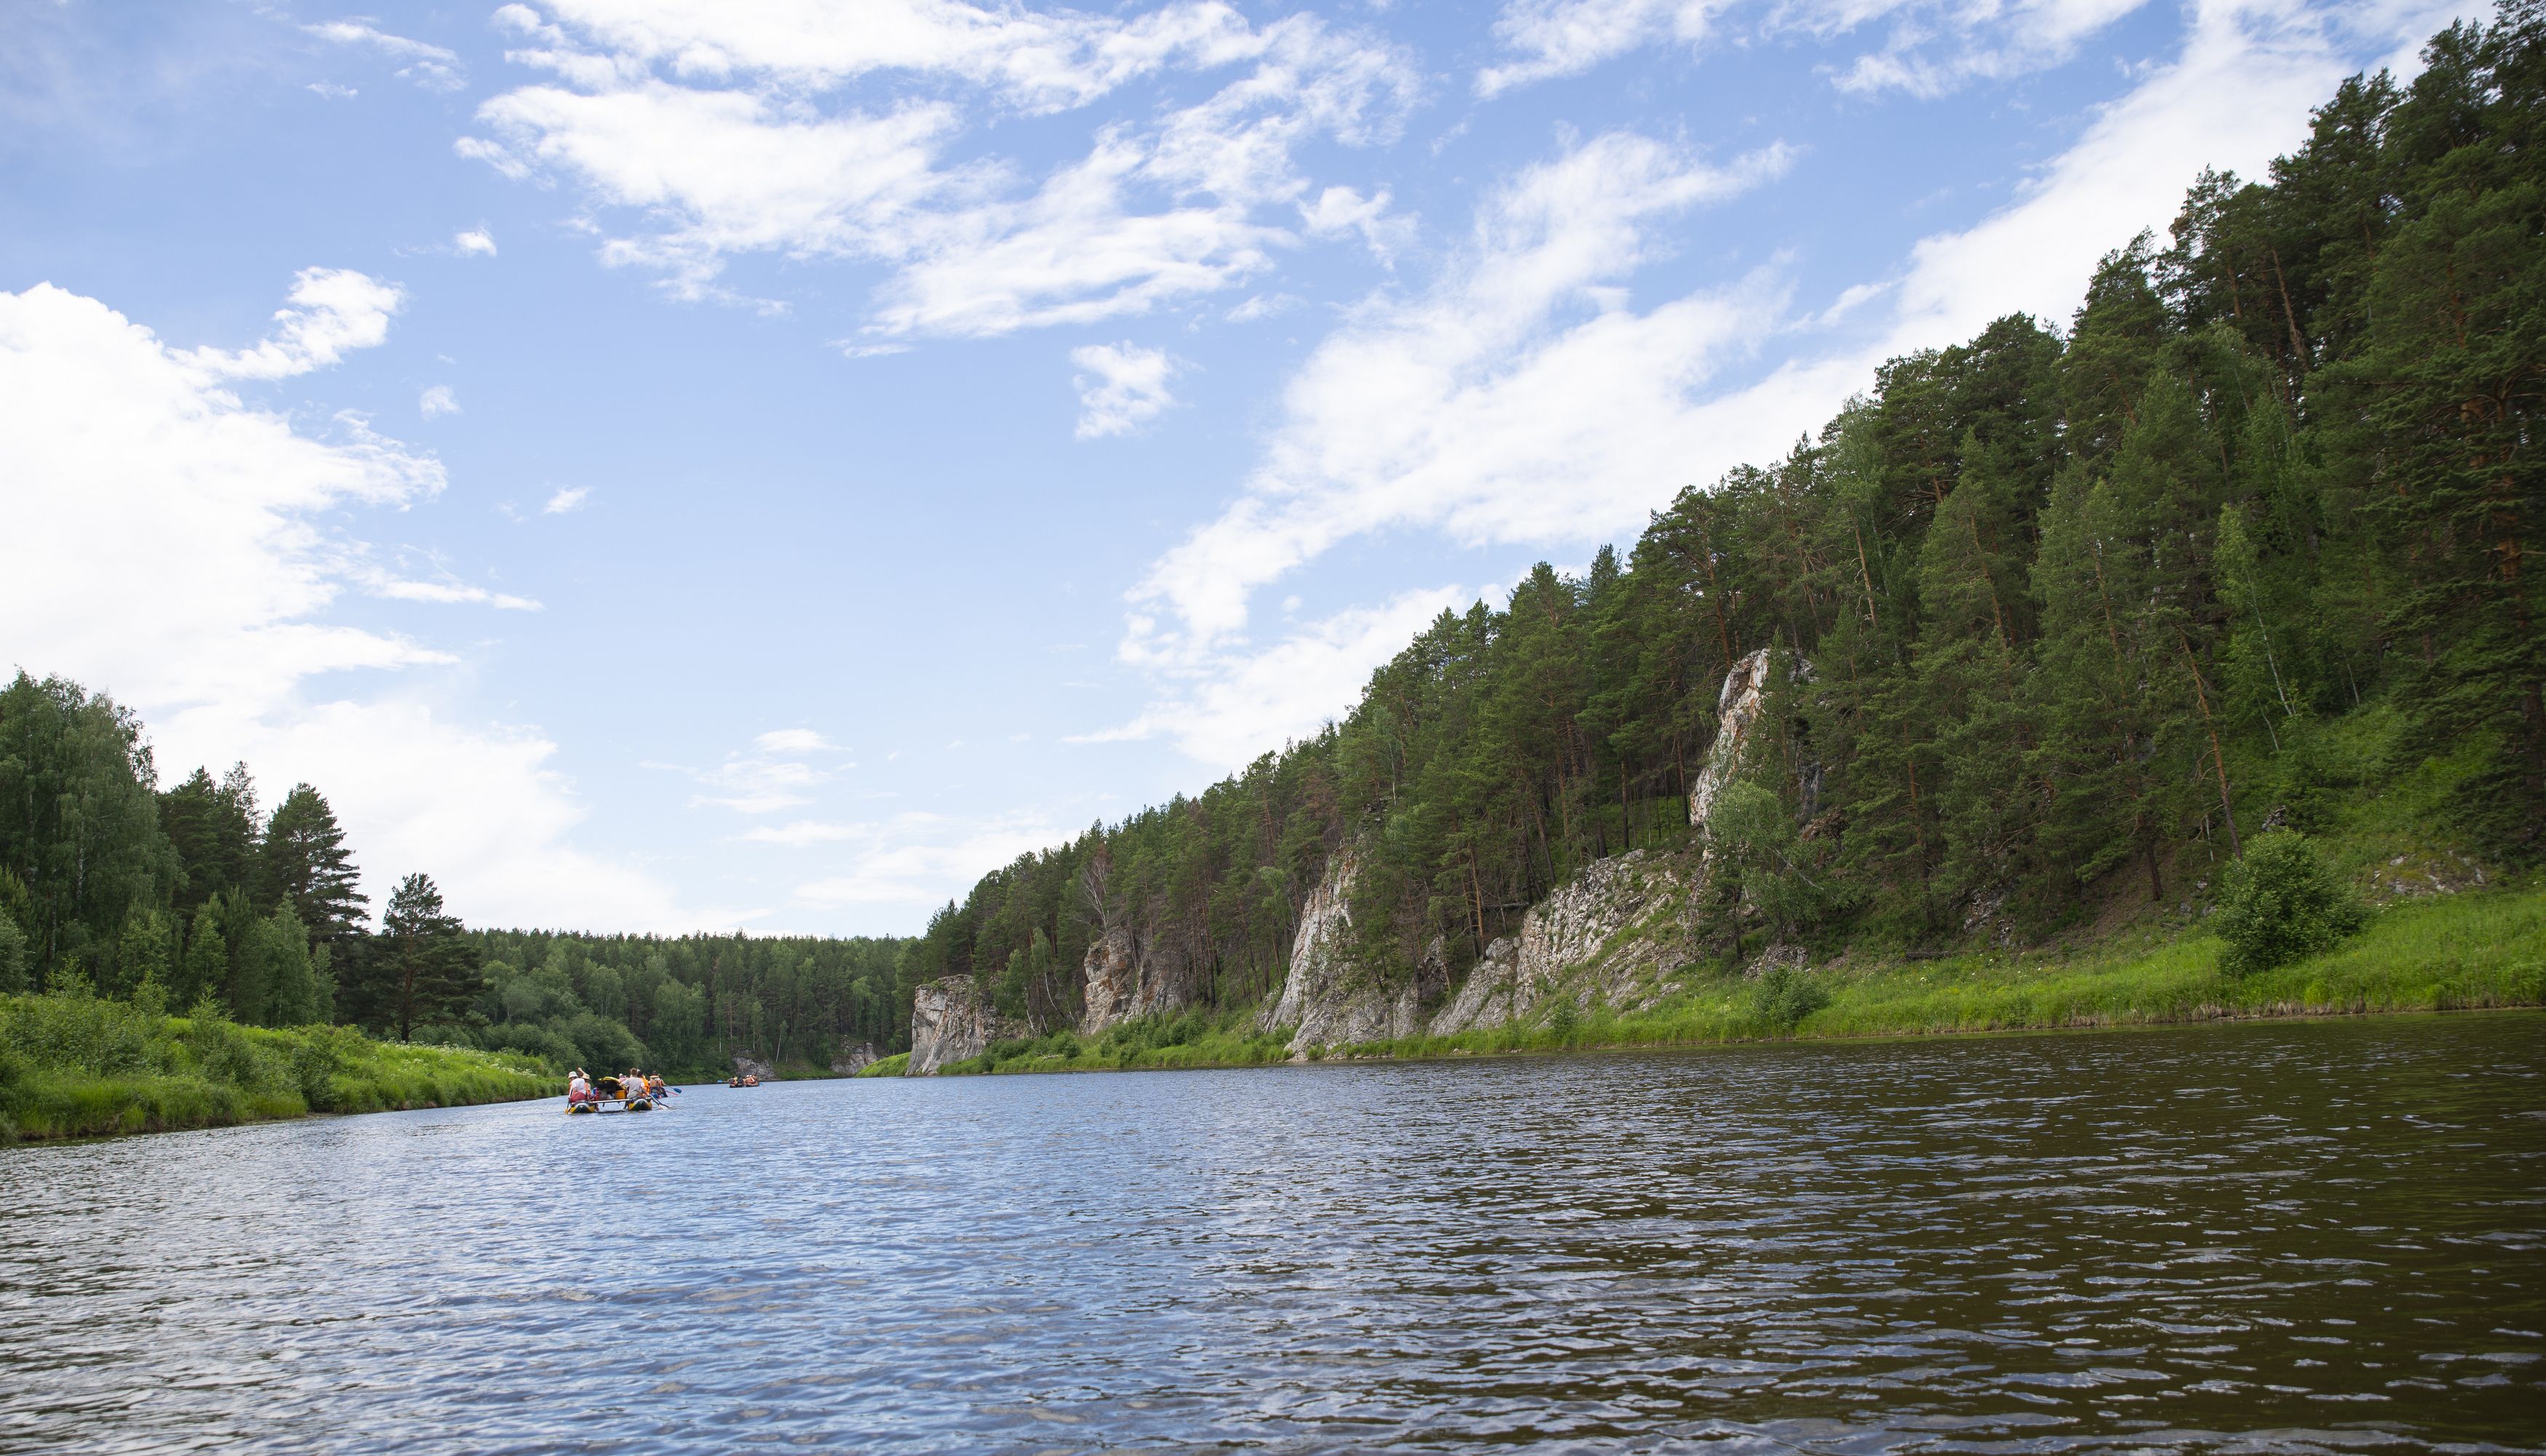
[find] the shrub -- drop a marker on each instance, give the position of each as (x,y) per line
(1785,996)
(2280,902)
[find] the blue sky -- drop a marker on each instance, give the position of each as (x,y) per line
(683,463)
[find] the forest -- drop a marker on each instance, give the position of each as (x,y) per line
(2060,616)
(194,899)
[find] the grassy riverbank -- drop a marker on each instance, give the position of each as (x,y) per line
(75,1065)
(2480,949)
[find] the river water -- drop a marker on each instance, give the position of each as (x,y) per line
(2293,1236)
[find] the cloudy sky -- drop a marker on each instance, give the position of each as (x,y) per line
(696,464)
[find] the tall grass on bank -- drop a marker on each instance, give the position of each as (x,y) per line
(2484,949)
(1197,1038)
(73,1065)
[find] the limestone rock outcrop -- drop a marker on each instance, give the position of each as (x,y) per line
(747,1065)
(951,1020)
(1737,711)
(850,1061)
(1611,937)
(1126,979)
(1330,997)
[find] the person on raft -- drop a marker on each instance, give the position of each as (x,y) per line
(634,1085)
(578,1087)
(654,1088)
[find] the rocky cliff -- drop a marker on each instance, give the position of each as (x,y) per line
(1330,997)
(951,1020)
(1126,979)
(1736,711)
(1610,938)
(1614,936)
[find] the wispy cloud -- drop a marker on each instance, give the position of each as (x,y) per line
(432,67)
(473,242)
(437,400)
(567,499)
(1929,47)
(734,151)
(1123,389)
(1489,406)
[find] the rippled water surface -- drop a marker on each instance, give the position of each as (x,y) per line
(2293,1236)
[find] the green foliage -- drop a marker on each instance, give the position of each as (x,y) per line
(13,956)
(1786,996)
(2280,902)
(79,833)
(76,1064)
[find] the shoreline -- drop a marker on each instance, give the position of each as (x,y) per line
(2481,950)
(1614,1049)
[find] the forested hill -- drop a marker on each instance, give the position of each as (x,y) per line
(2061,616)
(194,899)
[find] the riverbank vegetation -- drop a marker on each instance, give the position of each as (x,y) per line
(2479,950)
(76,1064)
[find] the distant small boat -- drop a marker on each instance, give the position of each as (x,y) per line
(742,1082)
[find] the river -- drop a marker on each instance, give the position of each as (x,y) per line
(2293,1236)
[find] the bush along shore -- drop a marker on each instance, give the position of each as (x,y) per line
(2478,950)
(73,1065)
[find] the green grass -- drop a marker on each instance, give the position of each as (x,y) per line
(2480,949)
(893,1066)
(1198,1038)
(75,1065)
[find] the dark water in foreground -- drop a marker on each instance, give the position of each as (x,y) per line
(2293,1236)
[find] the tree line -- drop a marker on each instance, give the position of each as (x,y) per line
(2056,616)
(194,899)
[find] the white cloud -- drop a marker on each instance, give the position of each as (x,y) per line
(437,400)
(1243,704)
(567,499)
(1566,37)
(334,310)
(1516,398)
(795,740)
(915,859)
(707,122)
(166,546)
(1124,387)
(401,589)
(430,66)
(1930,46)
(332,91)
(1035,60)
(476,243)
(769,777)
(1262,305)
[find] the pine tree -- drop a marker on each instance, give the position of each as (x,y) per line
(205,969)
(304,862)
(422,967)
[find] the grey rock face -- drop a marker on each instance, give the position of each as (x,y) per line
(745,1065)
(1126,979)
(1737,709)
(1572,947)
(852,1059)
(1330,997)
(950,1020)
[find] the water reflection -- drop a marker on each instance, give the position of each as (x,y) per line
(2300,1237)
